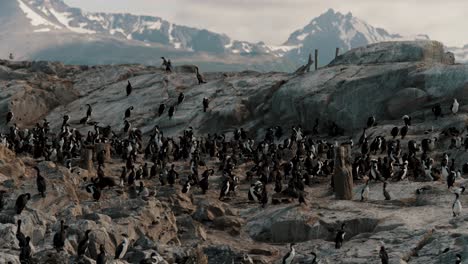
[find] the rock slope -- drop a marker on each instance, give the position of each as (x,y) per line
(386,80)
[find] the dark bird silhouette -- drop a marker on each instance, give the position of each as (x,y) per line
(19,235)
(371,121)
(59,237)
(206,103)
(200,77)
(129,88)
(41,183)
(9,117)
(404,131)
(128,112)
(21,202)
(101,258)
(395,131)
(181,98)
(161,109)
(89,111)
(25,252)
(2,202)
(83,244)
(171,111)
(383,255)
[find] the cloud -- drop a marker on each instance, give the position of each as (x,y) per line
(273,20)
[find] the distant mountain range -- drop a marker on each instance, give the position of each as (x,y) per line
(51,30)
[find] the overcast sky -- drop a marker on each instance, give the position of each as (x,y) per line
(273,20)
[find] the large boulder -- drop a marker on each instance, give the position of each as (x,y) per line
(394,52)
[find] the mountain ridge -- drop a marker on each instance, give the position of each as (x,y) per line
(43,22)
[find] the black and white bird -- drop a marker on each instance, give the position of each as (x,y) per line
(289,257)
(83,244)
(407,120)
(186,187)
(456,206)
(94,191)
(129,88)
(404,171)
(122,248)
(459,259)
(225,189)
(339,239)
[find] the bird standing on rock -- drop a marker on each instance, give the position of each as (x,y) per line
(383,255)
(339,239)
(456,206)
(129,88)
(455,106)
(21,202)
(41,183)
(101,258)
(180,99)
(83,244)
(9,117)
(205,104)
(161,109)
(171,111)
(121,249)
(371,121)
(128,112)
(200,77)
(60,237)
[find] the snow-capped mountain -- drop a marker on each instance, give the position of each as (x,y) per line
(55,15)
(335,30)
(51,30)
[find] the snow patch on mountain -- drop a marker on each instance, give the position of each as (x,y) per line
(65,19)
(36,19)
